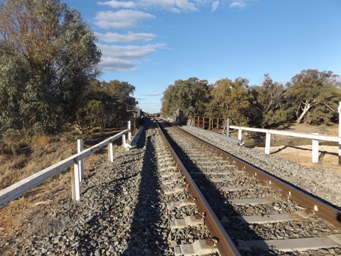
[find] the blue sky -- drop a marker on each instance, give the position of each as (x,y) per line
(152,43)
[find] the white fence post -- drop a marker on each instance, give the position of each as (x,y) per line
(129,131)
(315,150)
(75,186)
(339,133)
(110,152)
(240,134)
(80,146)
(123,140)
(227,127)
(267,142)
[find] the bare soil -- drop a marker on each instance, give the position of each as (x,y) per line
(300,150)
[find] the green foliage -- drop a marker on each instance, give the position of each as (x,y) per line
(48,56)
(313,95)
(230,98)
(270,103)
(188,96)
(106,104)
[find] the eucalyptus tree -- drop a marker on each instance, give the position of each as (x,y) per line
(230,98)
(271,97)
(187,96)
(313,96)
(48,56)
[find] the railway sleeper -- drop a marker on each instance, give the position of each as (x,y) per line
(235,188)
(251,201)
(187,221)
(200,247)
(166,175)
(271,218)
(289,245)
(179,204)
(175,190)
(221,179)
(172,181)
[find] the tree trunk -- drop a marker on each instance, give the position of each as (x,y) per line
(304,112)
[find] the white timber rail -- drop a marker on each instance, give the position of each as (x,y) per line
(19,188)
(313,136)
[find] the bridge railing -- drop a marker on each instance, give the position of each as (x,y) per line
(219,125)
(19,188)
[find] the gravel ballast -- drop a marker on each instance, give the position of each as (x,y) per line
(322,183)
(120,212)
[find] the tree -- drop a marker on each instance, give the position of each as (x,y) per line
(187,96)
(230,98)
(271,98)
(106,104)
(315,93)
(55,52)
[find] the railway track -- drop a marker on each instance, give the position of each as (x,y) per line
(245,211)
(173,195)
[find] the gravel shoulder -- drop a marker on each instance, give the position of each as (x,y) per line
(317,181)
(119,212)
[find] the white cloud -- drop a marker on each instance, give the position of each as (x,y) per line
(125,38)
(120,19)
(119,4)
(109,64)
(170,5)
(124,58)
(215,5)
(238,4)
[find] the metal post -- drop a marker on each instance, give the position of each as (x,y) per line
(267,142)
(240,134)
(339,133)
(111,152)
(80,162)
(129,130)
(75,185)
(315,150)
(227,127)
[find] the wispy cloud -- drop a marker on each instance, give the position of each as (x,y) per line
(125,38)
(121,18)
(124,58)
(119,4)
(170,5)
(215,5)
(109,64)
(237,4)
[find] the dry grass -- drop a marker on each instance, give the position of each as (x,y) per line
(42,140)
(19,215)
(43,152)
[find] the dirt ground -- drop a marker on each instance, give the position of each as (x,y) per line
(300,150)
(328,156)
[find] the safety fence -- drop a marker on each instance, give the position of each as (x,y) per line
(222,125)
(19,188)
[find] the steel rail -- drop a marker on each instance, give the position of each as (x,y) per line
(224,243)
(318,206)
